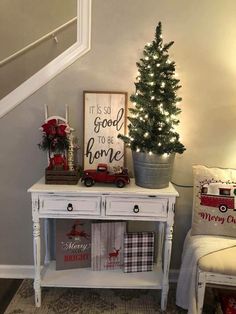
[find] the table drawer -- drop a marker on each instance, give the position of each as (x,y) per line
(80,205)
(143,207)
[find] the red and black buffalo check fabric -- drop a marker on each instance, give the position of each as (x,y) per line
(138,251)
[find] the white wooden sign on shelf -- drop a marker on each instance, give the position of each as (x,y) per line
(104,119)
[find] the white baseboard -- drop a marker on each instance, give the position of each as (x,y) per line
(27,271)
(17,271)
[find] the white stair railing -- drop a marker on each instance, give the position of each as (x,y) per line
(48,72)
(51,34)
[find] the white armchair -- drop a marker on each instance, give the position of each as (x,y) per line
(209,253)
(217,268)
(205,260)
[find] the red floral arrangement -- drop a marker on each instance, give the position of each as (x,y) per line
(55,136)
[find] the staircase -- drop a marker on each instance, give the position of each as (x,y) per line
(29,68)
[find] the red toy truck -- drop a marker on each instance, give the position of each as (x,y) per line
(101,174)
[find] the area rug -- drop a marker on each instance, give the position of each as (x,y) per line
(91,301)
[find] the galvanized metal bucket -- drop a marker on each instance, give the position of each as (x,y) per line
(152,171)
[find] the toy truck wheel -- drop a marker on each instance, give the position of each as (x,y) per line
(120,183)
(88,182)
(223,208)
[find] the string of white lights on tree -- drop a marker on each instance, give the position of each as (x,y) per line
(155,102)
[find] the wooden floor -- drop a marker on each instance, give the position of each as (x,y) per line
(8,288)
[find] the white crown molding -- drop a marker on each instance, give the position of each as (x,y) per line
(82,45)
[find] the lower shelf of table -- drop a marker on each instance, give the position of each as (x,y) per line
(87,278)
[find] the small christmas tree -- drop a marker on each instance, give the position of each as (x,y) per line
(155,101)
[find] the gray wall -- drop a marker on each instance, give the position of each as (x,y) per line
(23,22)
(204,50)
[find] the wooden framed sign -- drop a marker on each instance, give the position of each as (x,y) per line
(104,119)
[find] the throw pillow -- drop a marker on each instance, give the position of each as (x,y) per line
(214,201)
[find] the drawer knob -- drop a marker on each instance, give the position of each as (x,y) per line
(136,209)
(69,207)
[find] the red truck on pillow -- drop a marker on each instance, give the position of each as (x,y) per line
(101,174)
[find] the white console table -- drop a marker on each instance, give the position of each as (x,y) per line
(105,202)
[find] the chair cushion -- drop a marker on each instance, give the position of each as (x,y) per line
(221,262)
(214,201)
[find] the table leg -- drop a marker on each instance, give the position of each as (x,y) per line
(161,229)
(37,279)
(166,265)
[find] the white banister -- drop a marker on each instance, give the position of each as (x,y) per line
(43,76)
(51,34)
